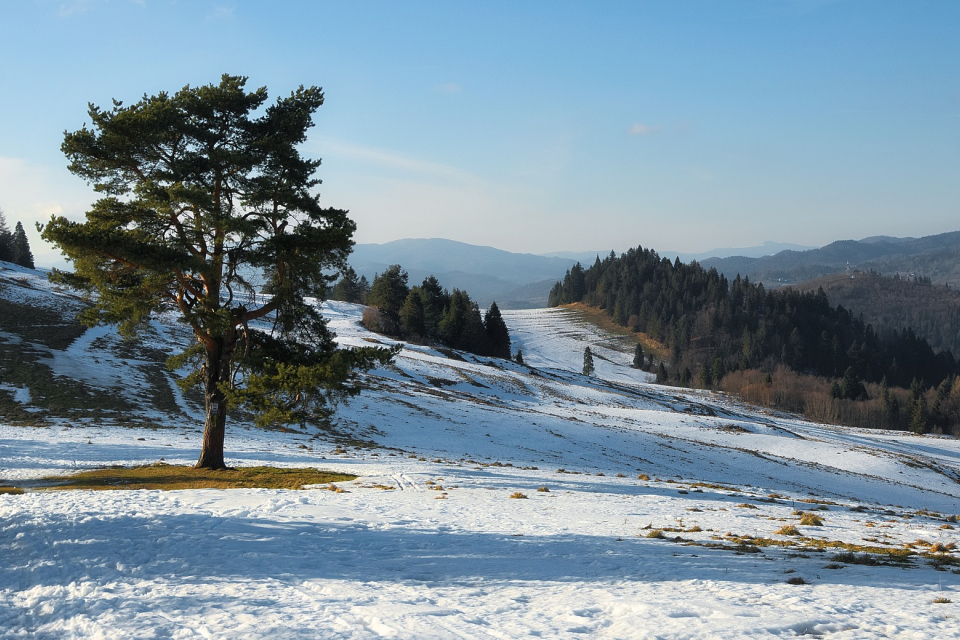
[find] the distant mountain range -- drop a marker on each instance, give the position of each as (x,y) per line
(936,257)
(513,280)
(523,280)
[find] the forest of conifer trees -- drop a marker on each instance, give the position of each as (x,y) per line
(709,327)
(426,312)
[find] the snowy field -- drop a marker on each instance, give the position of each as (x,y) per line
(428,542)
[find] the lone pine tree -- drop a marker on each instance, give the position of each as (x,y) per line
(21,247)
(638,357)
(201,188)
(588,362)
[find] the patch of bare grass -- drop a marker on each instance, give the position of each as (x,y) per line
(169,477)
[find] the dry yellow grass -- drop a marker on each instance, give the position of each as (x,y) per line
(173,477)
(811,520)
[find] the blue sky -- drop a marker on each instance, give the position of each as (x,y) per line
(537,126)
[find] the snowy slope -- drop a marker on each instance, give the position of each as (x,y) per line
(429,544)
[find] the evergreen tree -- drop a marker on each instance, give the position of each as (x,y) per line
(718,370)
(638,357)
(201,187)
(350,288)
(435,299)
(704,377)
(411,314)
(21,248)
(849,387)
(388,293)
(918,415)
(588,369)
(474,337)
(661,374)
(6,240)
(519,357)
(498,337)
(461,326)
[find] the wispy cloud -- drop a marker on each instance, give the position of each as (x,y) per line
(638,129)
(70,8)
(391,160)
(449,87)
(221,13)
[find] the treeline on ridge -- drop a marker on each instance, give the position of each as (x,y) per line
(710,327)
(424,313)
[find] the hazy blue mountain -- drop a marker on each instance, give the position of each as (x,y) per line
(514,280)
(931,256)
(585,258)
(768,248)
(523,280)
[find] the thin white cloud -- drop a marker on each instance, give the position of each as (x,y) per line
(391,160)
(639,129)
(221,13)
(70,8)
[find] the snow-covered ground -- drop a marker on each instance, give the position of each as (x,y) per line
(428,543)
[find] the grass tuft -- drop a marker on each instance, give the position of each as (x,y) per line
(173,478)
(796,580)
(810,520)
(518,495)
(941,600)
(543,489)
(788,530)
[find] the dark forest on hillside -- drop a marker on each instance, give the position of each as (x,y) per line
(932,310)
(711,327)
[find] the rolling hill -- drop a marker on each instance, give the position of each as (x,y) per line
(495,500)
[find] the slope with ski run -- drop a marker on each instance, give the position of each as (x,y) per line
(432,546)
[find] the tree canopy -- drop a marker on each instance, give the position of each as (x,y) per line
(200,189)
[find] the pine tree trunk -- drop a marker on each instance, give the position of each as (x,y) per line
(215,426)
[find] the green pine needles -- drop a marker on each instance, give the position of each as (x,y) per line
(200,189)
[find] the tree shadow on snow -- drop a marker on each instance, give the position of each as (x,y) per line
(200,548)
